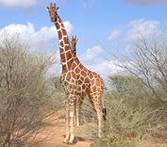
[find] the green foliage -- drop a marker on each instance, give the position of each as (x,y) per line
(57,98)
(87,111)
(125,83)
(133,113)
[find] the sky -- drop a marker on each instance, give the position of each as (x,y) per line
(104,28)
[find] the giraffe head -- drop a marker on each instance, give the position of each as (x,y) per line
(74,41)
(52,9)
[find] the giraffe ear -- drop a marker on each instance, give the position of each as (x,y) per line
(57,8)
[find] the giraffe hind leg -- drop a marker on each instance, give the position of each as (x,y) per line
(97,104)
(79,102)
(77,115)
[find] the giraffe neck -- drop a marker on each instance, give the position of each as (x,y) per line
(66,54)
(74,50)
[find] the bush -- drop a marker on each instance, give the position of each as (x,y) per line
(57,99)
(136,104)
(133,114)
(23,93)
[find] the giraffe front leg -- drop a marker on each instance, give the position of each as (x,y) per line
(77,117)
(99,122)
(98,109)
(67,125)
(71,140)
(77,113)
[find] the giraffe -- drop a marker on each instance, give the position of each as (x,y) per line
(74,41)
(76,80)
(79,101)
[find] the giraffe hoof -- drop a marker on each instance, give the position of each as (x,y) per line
(71,142)
(65,141)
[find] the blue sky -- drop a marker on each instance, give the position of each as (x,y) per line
(103,27)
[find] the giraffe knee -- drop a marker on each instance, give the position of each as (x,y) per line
(71,114)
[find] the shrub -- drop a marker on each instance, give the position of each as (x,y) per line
(23,93)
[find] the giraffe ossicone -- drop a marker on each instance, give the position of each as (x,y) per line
(76,80)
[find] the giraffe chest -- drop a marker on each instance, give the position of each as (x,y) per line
(75,83)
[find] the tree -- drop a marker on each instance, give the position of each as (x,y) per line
(23,93)
(149,63)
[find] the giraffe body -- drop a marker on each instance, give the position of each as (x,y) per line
(76,79)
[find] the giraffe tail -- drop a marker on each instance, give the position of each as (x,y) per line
(104,112)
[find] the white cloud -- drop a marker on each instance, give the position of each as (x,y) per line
(18,3)
(142,28)
(114,35)
(135,30)
(68,26)
(107,67)
(40,39)
(92,54)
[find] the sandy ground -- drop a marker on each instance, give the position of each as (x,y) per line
(52,135)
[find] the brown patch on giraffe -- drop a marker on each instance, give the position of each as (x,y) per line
(61,51)
(87,80)
(80,66)
(72,86)
(73,65)
(65,83)
(83,73)
(74,75)
(77,70)
(57,26)
(62,25)
(79,82)
(63,56)
(64,32)
(91,76)
(83,86)
(68,64)
(73,81)
(59,35)
(65,40)
(82,78)
(77,61)
(69,59)
(66,47)
(64,69)
(68,76)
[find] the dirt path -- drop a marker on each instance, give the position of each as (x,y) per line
(54,131)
